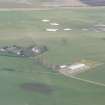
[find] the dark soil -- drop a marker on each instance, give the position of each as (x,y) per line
(37,87)
(8,69)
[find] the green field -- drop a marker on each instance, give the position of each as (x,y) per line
(24,29)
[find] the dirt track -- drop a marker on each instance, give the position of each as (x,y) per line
(88,81)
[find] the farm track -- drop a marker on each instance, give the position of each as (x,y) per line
(88,81)
(77,78)
(85,80)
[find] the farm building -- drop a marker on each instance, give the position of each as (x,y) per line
(36,50)
(74,66)
(73,69)
(21,51)
(77,66)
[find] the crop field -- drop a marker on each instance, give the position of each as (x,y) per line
(79,35)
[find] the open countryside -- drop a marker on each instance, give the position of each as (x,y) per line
(52,53)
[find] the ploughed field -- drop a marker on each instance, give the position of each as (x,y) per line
(79,36)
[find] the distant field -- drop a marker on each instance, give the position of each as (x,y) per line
(49,3)
(64,47)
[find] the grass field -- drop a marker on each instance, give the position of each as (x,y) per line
(64,47)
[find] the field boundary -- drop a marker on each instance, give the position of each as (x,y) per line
(51,8)
(23,9)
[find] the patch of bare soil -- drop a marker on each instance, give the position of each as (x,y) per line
(37,87)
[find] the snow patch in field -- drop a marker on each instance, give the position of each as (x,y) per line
(67,29)
(45,20)
(54,24)
(51,30)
